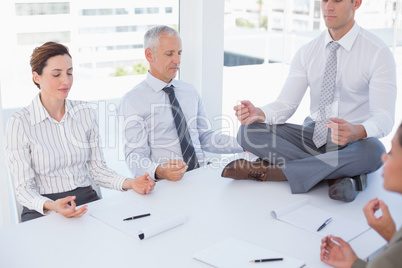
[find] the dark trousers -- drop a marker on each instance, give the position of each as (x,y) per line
(83,195)
(303,164)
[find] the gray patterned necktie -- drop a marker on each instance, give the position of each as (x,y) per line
(327,95)
(186,145)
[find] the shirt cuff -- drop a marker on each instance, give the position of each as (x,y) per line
(371,130)
(38,204)
(267,111)
(118,183)
(149,167)
(152,172)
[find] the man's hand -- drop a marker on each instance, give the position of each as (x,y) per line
(344,132)
(384,225)
(172,170)
(336,252)
(247,113)
(61,206)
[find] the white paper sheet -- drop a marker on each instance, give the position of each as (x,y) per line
(236,253)
(310,218)
(148,226)
(151,230)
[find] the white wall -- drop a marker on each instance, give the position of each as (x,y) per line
(5,197)
(201,29)
(5,205)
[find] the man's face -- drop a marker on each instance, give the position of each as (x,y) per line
(339,15)
(165,61)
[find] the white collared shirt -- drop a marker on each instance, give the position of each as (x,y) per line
(149,132)
(365,87)
(45,156)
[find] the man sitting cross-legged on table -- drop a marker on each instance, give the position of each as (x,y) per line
(352,81)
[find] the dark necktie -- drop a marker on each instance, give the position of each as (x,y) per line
(327,94)
(186,145)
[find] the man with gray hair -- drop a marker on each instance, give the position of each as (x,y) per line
(165,128)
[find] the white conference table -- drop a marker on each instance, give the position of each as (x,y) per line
(215,207)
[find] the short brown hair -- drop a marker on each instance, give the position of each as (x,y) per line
(41,54)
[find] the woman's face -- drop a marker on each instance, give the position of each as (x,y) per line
(56,79)
(393,166)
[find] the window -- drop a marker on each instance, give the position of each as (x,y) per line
(37,38)
(32,9)
(100,47)
(261,38)
(104,12)
(152,10)
(147,10)
(139,10)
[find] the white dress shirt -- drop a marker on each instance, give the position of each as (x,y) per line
(149,132)
(365,87)
(45,156)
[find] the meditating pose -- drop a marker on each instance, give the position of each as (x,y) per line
(53,145)
(352,81)
(165,126)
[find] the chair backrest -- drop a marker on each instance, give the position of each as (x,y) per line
(16,206)
(18,210)
(96,188)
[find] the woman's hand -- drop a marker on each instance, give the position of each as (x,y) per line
(384,225)
(63,207)
(143,184)
(336,252)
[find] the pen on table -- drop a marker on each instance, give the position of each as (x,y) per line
(324,224)
(265,260)
(137,217)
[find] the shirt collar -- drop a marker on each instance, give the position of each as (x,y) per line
(156,84)
(38,112)
(347,40)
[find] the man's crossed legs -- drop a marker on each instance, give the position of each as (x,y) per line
(287,152)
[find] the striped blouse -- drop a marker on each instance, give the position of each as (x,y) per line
(45,156)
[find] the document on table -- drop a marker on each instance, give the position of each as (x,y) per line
(236,253)
(310,218)
(141,228)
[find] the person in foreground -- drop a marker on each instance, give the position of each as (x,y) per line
(53,150)
(336,252)
(352,80)
(165,125)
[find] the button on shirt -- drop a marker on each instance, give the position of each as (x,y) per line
(149,133)
(45,156)
(365,87)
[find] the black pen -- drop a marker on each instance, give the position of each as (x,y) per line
(324,224)
(265,260)
(137,217)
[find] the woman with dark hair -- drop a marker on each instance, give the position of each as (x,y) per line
(53,147)
(336,252)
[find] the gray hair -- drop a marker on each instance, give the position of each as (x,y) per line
(151,37)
